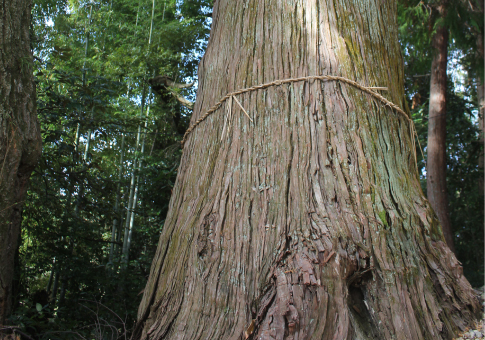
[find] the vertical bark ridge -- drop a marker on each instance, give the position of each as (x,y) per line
(20,141)
(309,222)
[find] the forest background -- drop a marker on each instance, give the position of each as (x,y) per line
(114,91)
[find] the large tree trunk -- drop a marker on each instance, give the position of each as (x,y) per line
(310,222)
(436,149)
(20,142)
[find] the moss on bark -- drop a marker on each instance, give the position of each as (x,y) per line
(310,222)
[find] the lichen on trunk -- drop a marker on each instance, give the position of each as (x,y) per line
(309,222)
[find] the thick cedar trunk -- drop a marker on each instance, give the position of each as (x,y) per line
(308,223)
(436,149)
(20,142)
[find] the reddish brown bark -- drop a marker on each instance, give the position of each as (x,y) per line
(436,148)
(310,222)
(20,142)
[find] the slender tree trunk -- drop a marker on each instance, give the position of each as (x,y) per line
(137,187)
(51,277)
(131,222)
(130,216)
(87,147)
(76,142)
(116,220)
(481,112)
(80,195)
(55,287)
(151,25)
(62,294)
(436,148)
(84,78)
(132,192)
(309,222)
(129,211)
(20,141)
(119,233)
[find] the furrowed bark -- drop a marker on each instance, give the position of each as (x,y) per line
(20,141)
(436,148)
(309,222)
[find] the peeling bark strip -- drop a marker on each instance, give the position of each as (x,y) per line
(20,142)
(309,223)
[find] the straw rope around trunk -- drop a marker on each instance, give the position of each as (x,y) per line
(368,90)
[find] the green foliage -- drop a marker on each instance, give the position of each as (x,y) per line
(93,59)
(418,21)
(463,174)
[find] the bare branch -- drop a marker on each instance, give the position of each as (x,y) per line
(181,99)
